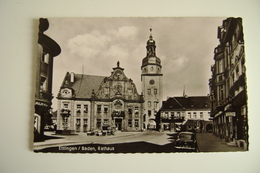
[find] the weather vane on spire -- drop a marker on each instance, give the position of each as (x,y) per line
(151,37)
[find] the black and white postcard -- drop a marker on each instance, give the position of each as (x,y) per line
(140,85)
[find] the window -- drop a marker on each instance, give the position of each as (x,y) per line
(136,123)
(45,58)
(78,122)
(129,122)
(78,108)
(220,78)
(237,70)
(155,91)
(105,121)
(220,66)
(85,122)
(233,77)
(243,110)
(65,105)
(129,110)
(155,104)
(85,108)
(172,115)
(221,92)
(98,123)
(166,114)
(189,115)
(149,91)
(136,109)
(43,84)
(149,103)
(201,114)
(194,114)
(178,114)
(98,108)
(105,109)
(149,113)
(66,92)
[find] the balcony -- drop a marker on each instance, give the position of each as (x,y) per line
(118,114)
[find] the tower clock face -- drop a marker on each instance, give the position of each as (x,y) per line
(151,82)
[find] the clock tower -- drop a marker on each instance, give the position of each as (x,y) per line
(152,88)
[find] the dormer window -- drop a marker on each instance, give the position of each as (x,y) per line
(66,92)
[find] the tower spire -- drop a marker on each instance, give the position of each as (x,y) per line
(151,36)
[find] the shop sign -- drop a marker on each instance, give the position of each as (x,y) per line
(41,104)
(230,114)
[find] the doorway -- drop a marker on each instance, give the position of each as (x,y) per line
(118,123)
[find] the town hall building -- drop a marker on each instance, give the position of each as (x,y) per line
(95,103)
(88,103)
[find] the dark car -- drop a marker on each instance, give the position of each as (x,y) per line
(186,141)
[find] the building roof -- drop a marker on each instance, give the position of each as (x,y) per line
(186,103)
(83,85)
(49,45)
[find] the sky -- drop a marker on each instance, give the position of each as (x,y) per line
(94,45)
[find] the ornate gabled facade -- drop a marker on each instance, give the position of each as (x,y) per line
(89,103)
(152,88)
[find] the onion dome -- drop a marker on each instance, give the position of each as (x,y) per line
(151,57)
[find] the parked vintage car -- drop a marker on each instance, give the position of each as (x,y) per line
(186,141)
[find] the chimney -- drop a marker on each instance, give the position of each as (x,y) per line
(72,77)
